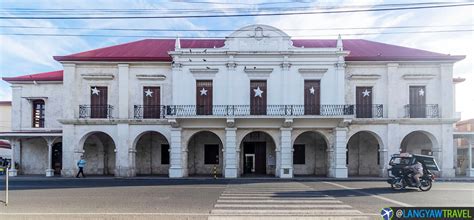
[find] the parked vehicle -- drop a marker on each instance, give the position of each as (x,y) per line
(401,177)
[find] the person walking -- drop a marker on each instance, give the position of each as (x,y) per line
(81,164)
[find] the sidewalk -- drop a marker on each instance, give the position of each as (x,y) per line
(272,178)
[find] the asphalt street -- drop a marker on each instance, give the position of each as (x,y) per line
(161,198)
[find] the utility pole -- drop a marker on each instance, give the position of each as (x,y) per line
(6,186)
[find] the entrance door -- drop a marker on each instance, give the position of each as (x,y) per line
(311,97)
(364,102)
(258,97)
(57,158)
(151,102)
(417,102)
(259,152)
(204,97)
(99,108)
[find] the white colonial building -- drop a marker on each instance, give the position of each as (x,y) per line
(254,103)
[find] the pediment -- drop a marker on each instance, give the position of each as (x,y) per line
(258,38)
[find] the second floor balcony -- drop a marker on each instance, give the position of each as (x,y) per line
(422,111)
(95,111)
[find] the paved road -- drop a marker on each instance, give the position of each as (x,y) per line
(155,198)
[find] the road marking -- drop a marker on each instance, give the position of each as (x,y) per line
(372,195)
(107,213)
(292,201)
(315,206)
(278,201)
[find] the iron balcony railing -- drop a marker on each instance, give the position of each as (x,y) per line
(369,111)
(422,111)
(149,111)
(95,111)
(268,110)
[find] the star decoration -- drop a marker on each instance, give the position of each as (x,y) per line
(148,93)
(95,91)
(366,93)
(421,92)
(203,91)
(311,90)
(258,92)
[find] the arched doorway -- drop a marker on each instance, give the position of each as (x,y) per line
(258,156)
(57,158)
(152,155)
(99,152)
(205,154)
(418,142)
(310,154)
(363,158)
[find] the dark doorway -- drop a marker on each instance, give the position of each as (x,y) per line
(312,97)
(258,97)
(257,164)
(204,97)
(57,158)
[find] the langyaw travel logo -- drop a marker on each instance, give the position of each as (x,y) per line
(427,213)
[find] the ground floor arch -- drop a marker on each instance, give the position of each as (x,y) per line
(152,155)
(205,154)
(99,152)
(363,154)
(418,142)
(257,154)
(310,154)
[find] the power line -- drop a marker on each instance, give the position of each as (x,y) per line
(237,15)
(191,37)
(226,30)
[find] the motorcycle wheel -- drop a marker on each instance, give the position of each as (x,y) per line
(396,187)
(426,185)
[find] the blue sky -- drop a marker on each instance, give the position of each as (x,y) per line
(21,55)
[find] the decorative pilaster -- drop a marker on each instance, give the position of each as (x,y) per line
(70,88)
(123,165)
(123,78)
(393,99)
(444,152)
(230,153)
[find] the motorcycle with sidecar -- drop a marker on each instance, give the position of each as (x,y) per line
(400,177)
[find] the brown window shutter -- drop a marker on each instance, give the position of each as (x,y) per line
(364,102)
(99,105)
(151,102)
(312,97)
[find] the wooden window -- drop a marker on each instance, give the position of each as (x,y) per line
(99,105)
(258,97)
(211,154)
(38,113)
(312,98)
(151,102)
(165,154)
(299,154)
(417,102)
(364,102)
(204,97)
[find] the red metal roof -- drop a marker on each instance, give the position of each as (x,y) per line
(5,144)
(47,76)
(157,50)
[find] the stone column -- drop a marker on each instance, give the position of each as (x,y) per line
(49,142)
(383,154)
(470,170)
(340,168)
(230,153)
(123,164)
(444,152)
(15,145)
(286,153)
(176,154)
